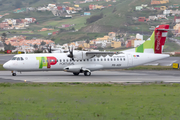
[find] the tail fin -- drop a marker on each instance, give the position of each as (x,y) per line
(156,42)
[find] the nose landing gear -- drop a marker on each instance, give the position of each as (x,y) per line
(13,73)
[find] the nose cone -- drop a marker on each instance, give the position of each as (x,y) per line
(6,65)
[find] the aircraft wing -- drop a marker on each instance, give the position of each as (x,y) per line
(98,54)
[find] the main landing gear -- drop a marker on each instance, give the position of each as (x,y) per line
(86,73)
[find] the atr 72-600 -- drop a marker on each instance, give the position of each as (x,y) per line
(85,61)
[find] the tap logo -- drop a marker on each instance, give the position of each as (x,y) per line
(46,61)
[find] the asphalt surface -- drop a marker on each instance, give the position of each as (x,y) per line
(5,57)
(137,76)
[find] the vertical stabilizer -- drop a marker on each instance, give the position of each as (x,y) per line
(156,42)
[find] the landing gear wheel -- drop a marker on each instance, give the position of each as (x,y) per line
(87,73)
(76,74)
(14,74)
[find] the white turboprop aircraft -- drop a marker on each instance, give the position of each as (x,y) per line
(85,61)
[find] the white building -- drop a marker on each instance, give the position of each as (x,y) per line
(1,46)
(139,36)
(166,12)
(138,42)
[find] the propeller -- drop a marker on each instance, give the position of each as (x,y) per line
(71,53)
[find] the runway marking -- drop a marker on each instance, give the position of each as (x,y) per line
(126,81)
(69,81)
(172,81)
(7,55)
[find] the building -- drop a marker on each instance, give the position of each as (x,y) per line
(153,18)
(158,2)
(163,8)
(87,13)
(175,12)
(141,19)
(161,16)
(138,8)
(128,43)
(177,19)
(115,44)
(136,43)
(176,28)
(166,12)
(1,46)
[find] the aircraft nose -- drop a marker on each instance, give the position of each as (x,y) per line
(6,66)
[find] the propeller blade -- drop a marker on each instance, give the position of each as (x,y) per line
(50,51)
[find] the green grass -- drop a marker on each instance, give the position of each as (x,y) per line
(171,46)
(89,101)
(1,67)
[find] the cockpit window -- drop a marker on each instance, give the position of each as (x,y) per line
(17,58)
(14,58)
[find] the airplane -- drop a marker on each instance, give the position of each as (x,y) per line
(85,62)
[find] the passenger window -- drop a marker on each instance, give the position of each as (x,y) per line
(87,59)
(67,60)
(111,59)
(117,59)
(63,60)
(121,59)
(56,60)
(114,59)
(22,58)
(101,59)
(97,59)
(60,60)
(84,60)
(80,60)
(105,59)
(77,60)
(94,59)
(108,59)
(70,60)
(124,59)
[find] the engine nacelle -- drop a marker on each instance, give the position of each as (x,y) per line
(81,55)
(73,68)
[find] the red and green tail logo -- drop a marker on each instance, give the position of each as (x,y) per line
(46,61)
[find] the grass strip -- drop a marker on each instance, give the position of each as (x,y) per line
(1,68)
(78,101)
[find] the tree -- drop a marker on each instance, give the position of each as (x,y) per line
(43,43)
(8,47)
(87,41)
(114,10)
(3,37)
(94,18)
(18,4)
(35,46)
(170,34)
(73,28)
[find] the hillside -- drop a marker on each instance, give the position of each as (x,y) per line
(117,17)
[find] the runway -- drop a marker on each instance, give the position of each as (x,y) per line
(121,76)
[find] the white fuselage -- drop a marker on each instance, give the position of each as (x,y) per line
(59,61)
